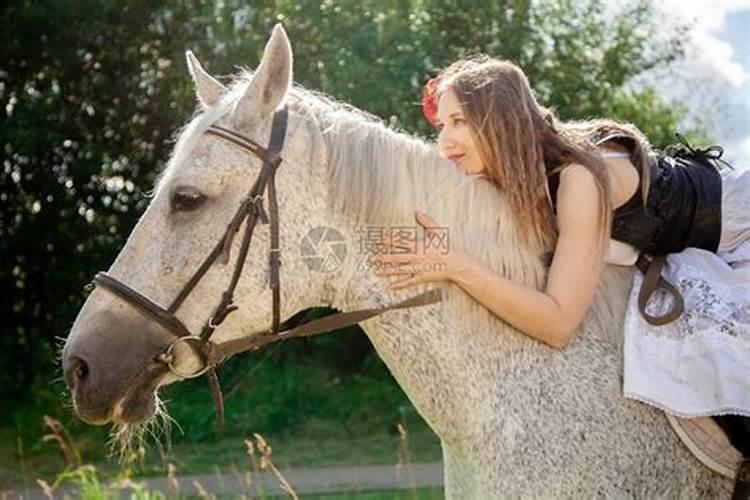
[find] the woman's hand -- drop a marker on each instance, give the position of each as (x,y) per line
(428,259)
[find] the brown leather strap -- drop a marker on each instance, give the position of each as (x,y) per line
(326,324)
(254,203)
(213,384)
(273,257)
(226,305)
(239,140)
(220,250)
(143,304)
(217,352)
(652,270)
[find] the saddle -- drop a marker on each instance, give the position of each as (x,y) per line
(708,443)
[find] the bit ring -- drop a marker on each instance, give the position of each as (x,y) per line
(168,357)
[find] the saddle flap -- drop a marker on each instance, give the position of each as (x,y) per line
(708,443)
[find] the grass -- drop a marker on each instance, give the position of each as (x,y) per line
(314,412)
(87,483)
(320,444)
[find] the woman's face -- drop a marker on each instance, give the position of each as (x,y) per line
(455,142)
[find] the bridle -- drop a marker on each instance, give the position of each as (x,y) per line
(249,212)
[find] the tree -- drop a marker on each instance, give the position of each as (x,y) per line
(93,92)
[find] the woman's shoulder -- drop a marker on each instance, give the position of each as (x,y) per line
(569,180)
(576,180)
(579,208)
(576,172)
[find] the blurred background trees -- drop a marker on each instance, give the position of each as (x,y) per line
(93,91)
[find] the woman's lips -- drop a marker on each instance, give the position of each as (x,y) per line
(456,158)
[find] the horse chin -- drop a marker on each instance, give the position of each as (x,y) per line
(135,407)
(95,416)
(138,403)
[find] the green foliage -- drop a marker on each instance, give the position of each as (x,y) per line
(88,106)
(93,92)
(268,395)
(313,413)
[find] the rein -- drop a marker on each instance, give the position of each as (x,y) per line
(249,212)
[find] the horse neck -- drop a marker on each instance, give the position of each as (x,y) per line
(434,354)
(414,344)
(418,345)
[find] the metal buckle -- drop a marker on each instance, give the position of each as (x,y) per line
(168,357)
(211,323)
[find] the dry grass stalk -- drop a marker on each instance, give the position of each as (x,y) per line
(265,462)
(404,459)
(174,485)
(46,488)
(57,434)
(202,491)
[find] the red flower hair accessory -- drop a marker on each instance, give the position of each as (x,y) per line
(429,100)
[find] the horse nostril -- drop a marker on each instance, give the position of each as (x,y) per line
(76,372)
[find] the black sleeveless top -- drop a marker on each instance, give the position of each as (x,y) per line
(683,208)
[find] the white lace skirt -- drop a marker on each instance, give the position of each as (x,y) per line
(698,365)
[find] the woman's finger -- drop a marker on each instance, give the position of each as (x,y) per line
(425,220)
(401,285)
(411,281)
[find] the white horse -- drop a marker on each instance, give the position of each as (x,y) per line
(515,418)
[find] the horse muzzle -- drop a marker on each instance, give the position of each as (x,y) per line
(109,365)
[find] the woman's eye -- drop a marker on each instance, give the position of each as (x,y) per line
(458,121)
(185,199)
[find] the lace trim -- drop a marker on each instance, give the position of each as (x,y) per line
(724,410)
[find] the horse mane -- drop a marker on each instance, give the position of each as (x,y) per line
(379,176)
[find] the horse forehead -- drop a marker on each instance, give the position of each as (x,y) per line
(207,157)
(201,156)
(211,149)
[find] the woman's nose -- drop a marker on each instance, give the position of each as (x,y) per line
(445,143)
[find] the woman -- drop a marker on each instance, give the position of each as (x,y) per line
(563,180)
(588,193)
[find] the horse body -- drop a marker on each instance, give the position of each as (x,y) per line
(529,422)
(515,418)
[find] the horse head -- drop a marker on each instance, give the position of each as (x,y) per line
(113,359)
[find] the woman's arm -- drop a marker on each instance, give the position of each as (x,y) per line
(552,315)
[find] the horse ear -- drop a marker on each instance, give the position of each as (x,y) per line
(207,88)
(271,81)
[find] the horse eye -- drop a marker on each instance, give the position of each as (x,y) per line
(185,199)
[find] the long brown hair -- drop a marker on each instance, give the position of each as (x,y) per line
(521,143)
